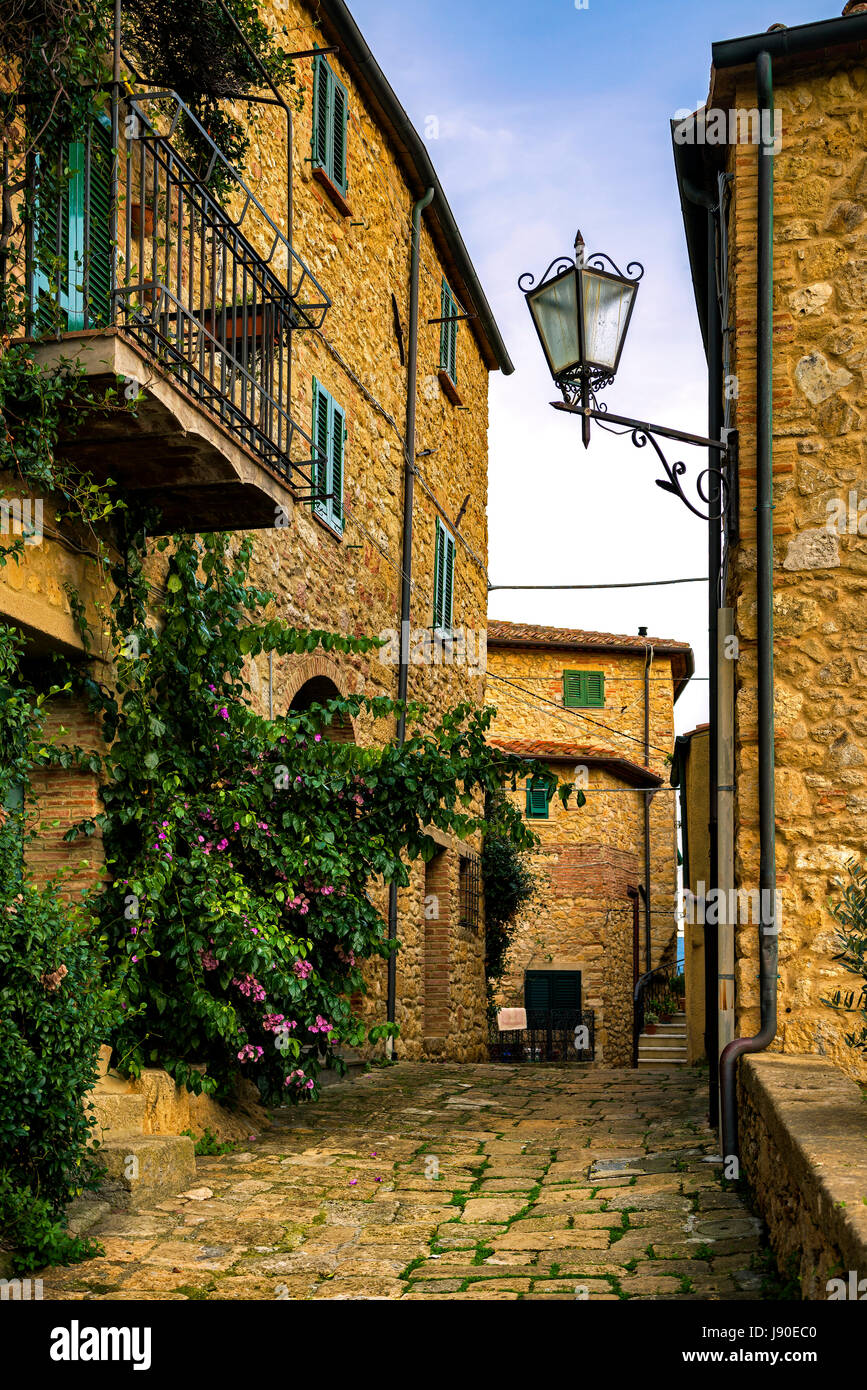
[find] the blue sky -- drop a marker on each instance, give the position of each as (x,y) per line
(553,118)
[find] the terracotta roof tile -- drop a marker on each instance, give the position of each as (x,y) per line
(559,750)
(505,634)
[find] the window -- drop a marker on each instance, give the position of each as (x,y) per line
(539,791)
(13,808)
(70,282)
(444,579)
(584,689)
(548,992)
(329,439)
(330,124)
(449,335)
(469,883)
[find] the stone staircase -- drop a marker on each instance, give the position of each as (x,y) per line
(141,1147)
(665,1047)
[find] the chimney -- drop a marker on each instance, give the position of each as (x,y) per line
(642,632)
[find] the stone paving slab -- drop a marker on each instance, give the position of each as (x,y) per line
(519,1182)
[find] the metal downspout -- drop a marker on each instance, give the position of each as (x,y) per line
(648,944)
(406,548)
(714,565)
(765,612)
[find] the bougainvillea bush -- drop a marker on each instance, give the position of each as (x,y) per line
(244,851)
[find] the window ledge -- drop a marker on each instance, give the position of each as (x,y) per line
(449,387)
(332,190)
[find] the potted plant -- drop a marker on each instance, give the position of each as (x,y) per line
(650,1021)
(667,1009)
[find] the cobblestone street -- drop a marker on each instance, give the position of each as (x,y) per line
(423,1181)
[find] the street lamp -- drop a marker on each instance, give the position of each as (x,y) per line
(581,312)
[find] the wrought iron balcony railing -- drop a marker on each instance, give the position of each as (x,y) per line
(125,235)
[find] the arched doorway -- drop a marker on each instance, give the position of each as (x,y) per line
(318,690)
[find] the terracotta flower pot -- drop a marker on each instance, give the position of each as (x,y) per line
(650,1027)
(135,213)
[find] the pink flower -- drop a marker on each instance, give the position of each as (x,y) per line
(302,969)
(353,1182)
(248,985)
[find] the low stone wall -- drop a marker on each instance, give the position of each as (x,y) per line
(803,1128)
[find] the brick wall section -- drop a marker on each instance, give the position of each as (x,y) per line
(592,869)
(63,796)
(437,934)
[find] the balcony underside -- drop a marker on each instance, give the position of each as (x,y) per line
(170,452)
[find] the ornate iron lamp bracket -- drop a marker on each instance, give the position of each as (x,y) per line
(644,433)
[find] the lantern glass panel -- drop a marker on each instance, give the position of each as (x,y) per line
(555,310)
(606,302)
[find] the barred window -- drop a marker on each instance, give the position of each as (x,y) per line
(470,880)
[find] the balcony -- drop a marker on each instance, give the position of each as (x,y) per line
(134,269)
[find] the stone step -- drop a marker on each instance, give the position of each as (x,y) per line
(659,1040)
(662,1059)
(145,1167)
(120,1112)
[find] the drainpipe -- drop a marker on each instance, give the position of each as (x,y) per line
(765,592)
(714,566)
(406,550)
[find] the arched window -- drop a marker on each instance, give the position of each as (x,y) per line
(318,691)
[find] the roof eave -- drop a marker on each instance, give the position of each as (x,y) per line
(341,28)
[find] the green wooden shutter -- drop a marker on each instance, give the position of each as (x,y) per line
(339,124)
(338,440)
(444,578)
(449,584)
(439,574)
(99,308)
(75,195)
(49,284)
(321,433)
(322,104)
(583,689)
(538,797)
(573,689)
(595,689)
(444,339)
(448,333)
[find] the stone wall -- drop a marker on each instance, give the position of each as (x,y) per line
(694,807)
(351,583)
(804,1153)
(820,560)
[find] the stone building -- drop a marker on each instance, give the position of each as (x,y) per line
(774,213)
(598,710)
(335,405)
(817,391)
